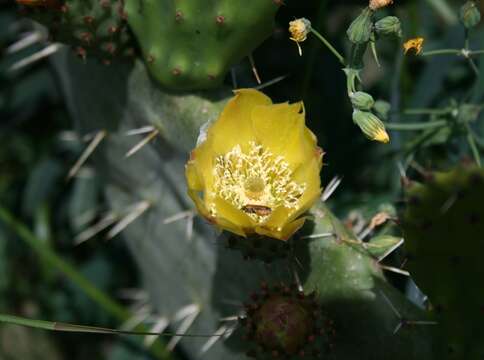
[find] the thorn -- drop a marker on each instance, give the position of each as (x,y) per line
(331,188)
(142,143)
(234,78)
(271,82)
(189,315)
(139,131)
(160,326)
(35,57)
(318,236)
(392,249)
(92,231)
(88,152)
(218,334)
(254,69)
(30,39)
(137,211)
(395,270)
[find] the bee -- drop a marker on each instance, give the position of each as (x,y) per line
(260,210)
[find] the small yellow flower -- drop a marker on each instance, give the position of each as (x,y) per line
(415,44)
(378,4)
(299,30)
(257,171)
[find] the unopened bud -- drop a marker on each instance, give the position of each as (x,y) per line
(378,4)
(371,126)
(389,25)
(470,15)
(362,101)
(361,28)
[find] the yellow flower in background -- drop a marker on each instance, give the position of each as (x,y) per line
(415,44)
(299,30)
(257,171)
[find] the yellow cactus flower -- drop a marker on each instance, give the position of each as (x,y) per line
(299,30)
(257,170)
(415,44)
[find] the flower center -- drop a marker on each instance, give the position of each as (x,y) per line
(256,181)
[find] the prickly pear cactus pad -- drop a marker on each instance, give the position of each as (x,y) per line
(337,309)
(95,28)
(443,228)
(191,44)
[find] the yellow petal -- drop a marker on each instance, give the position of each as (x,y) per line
(280,128)
(234,126)
(285,232)
(230,218)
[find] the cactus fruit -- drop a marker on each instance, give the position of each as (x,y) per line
(282,320)
(95,28)
(191,44)
(443,227)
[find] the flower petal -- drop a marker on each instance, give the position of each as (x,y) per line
(229,216)
(281,129)
(234,126)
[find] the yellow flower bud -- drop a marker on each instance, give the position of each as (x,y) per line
(257,171)
(415,44)
(378,4)
(371,126)
(299,30)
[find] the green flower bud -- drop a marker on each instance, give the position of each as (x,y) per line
(361,28)
(371,126)
(382,109)
(470,15)
(469,112)
(361,100)
(389,25)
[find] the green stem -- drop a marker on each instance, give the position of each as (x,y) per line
(445,11)
(50,257)
(442,52)
(427,111)
(335,52)
(476,52)
(472,144)
(415,126)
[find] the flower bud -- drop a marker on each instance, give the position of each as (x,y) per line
(378,4)
(371,126)
(361,28)
(382,109)
(389,25)
(470,15)
(469,112)
(362,100)
(299,29)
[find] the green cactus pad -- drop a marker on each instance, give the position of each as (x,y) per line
(444,236)
(91,27)
(192,43)
(258,247)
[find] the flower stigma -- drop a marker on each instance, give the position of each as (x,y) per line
(255,181)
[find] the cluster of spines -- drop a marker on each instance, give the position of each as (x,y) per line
(303,331)
(96,28)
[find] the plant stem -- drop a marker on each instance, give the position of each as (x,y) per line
(415,126)
(50,257)
(427,111)
(335,52)
(472,144)
(442,52)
